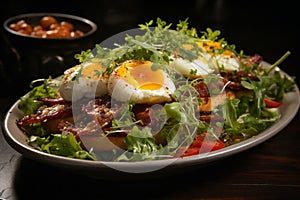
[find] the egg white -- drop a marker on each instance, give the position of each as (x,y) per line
(225,62)
(122,90)
(89,84)
(196,68)
(205,64)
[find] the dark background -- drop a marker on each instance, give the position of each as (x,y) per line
(268,171)
(269,28)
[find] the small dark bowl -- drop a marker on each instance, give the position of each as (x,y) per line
(43,57)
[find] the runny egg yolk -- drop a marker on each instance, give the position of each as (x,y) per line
(136,81)
(141,76)
(92,71)
(85,80)
(209,46)
(209,59)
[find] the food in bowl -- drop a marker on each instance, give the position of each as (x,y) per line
(165,94)
(44,56)
(48,27)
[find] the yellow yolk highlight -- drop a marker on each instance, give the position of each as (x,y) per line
(209,46)
(85,80)
(136,81)
(92,71)
(140,75)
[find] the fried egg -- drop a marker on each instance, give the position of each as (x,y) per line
(85,80)
(225,62)
(134,80)
(207,62)
(196,68)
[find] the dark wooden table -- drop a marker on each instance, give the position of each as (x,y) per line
(270,170)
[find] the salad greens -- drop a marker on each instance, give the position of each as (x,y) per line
(62,145)
(244,116)
(30,103)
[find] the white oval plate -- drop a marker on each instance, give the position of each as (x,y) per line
(98,169)
(116,170)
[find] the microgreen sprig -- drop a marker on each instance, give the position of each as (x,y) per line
(278,62)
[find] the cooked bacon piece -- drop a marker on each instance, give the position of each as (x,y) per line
(93,136)
(67,127)
(92,128)
(237,76)
(233,80)
(103,115)
(235,86)
(211,118)
(205,90)
(100,110)
(202,89)
(142,112)
(252,60)
(150,116)
(45,113)
(94,120)
(53,101)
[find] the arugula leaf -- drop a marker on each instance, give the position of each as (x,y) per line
(125,119)
(30,104)
(36,129)
(259,89)
(141,141)
(240,122)
(62,145)
(280,86)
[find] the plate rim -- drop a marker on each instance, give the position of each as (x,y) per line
(200,159)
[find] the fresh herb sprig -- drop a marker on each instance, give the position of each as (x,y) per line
(273,86)
(158,44)
(30,103)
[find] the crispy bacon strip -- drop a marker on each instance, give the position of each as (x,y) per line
(45,113)
(235,79)
(211,118)
(53,101)
(256,59)
(100,110)
(202,89)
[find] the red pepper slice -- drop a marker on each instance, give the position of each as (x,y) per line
(271,103)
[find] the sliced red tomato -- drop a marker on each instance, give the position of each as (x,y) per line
(272,104)
(198,141)
(191,151)
(199,144)
(211,146)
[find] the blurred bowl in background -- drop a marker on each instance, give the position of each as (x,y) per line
(44,56)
